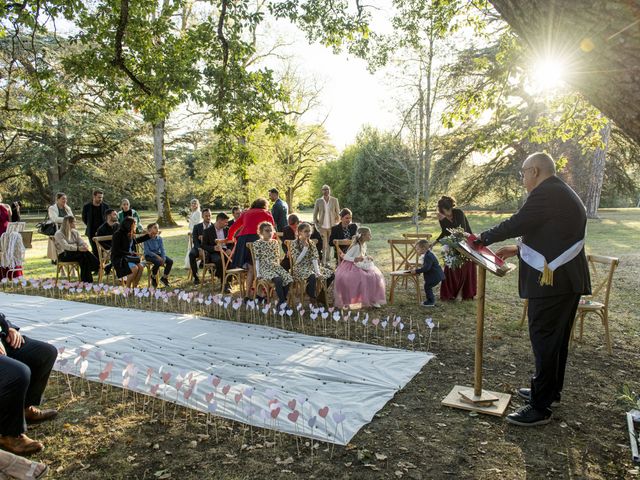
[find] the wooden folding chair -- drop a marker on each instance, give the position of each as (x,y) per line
(416,236)
(340,243)
(602,270)
(66,267)
(267,285)
(104,256)
(189,247)
(231,274)
(300,286)
(206,267)
(403,258)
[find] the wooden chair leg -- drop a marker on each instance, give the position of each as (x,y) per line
(607,337)
(393,287)
(57,274)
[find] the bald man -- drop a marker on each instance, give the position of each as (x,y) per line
(553,274)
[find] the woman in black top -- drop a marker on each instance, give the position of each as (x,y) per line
(459,283)
(123,252)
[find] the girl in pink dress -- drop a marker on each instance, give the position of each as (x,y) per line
(358,280)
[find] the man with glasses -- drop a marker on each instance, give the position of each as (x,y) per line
(553,274)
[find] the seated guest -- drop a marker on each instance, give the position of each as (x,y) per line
(291,233)
(127,211)
(430,270)
(108,228)
(344,230)
(358,280)
(72,248)
(235,213)
(196,236)
(267,252)
(248,222)
(25,365)
(306,263)
(213,251)
(56,214)
(124,257)
(154,253)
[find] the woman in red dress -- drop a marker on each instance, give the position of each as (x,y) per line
(459,283)
(247,226)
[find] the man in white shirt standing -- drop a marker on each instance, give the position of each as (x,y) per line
(326,213)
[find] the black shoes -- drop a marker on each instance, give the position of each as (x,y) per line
(165,281)
(196,280)
(154,282)
(528,416)
(525,393)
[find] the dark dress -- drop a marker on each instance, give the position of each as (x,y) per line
(462,279)
(121,247)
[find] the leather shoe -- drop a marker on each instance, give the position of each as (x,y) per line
(525,393)
(528,416)
(20,445)
(35,415)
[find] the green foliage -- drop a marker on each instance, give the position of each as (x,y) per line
(371,177)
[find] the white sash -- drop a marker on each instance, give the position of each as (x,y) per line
(536,259)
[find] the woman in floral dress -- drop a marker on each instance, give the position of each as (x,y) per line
(267,255)
(306,263)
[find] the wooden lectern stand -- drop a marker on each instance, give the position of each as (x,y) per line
(476,399)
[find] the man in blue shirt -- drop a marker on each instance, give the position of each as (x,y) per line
(154,253)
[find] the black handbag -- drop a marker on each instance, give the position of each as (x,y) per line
(47,227)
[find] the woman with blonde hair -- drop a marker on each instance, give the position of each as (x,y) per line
(70,247)
(358,280)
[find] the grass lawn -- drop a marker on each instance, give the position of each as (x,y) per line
(413,436)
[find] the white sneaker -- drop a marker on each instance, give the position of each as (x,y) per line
(376,305)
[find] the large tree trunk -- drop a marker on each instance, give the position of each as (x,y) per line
(596,177)
(598,40)
(162,197)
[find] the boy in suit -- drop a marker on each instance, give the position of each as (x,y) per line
(430,270)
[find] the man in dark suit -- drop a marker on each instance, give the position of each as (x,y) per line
(25,365)
(279,210)
(213,252)
(93,215)
(196,235)
(343,230)
(553,275)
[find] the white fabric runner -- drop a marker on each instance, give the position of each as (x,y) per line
(152,351)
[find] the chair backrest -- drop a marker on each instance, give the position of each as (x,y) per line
(249,245)
(602,270)
(27,238)
(103,253)
(225,256)
(340,243)
(190,240)
(403,254)
(15,227)
(416,236)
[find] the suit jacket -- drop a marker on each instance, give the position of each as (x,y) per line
(197,231)
(104,230)
(5,325)
(92,223)
(209,238)
(319,212)
(280,212)
(431,270)
(551,220)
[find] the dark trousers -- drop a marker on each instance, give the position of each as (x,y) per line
(216,258)
(428,291)
(312,282)
(24,373)
(168,263)
(550,323)
(281,290)
(94,248)
(87,260)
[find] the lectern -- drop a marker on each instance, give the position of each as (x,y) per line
(475,398)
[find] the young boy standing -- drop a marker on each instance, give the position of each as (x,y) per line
(430,270)
(154,253)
